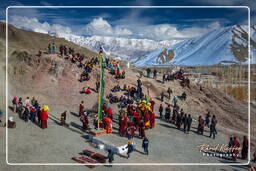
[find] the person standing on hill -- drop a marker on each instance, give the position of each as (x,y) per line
(148,72)
(163,78)
(49,49)
(15,103)
(162,96)
(97,86)
(207,119)
(167,113)
(169,91)
(161,111)
(174,100)
(189,122)
(213,127)
(81,108)
(145,144)
(154,74)
(25,115)
(53,48)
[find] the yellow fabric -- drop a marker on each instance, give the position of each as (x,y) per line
(46,108)
(147,123)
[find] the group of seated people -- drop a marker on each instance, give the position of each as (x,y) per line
(116,88)
(84,76)
(114,69)
(185,82)
(124,101)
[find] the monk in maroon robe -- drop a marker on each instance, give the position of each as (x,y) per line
(141,129)
(245,148)
(123,126)
(85,121)
(81,108)
(152,105)
(236,151)
(152,120)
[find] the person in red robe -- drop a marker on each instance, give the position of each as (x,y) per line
(245,148)
(108,125)
(109,112)
(141,129)
(200,128)
(81,108)
(152,120)
(137,119)
(236,151)
(85,121)
(147,120)
(123,126)
(44,118)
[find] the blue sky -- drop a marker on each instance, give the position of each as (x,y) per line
(157,24)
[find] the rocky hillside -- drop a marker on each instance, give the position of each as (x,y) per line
(31,42)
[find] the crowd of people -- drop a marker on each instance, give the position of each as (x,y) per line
(137,110)
(31,110)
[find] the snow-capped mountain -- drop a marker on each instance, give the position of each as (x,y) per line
(225,45)
(119,47)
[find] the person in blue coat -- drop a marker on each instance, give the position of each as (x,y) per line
(145,143)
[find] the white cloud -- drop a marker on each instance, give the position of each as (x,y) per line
(35,25)
(101,27)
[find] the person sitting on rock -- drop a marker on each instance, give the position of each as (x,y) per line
(183,96)
(10,123)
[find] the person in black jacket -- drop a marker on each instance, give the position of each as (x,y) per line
(130,148)
(161,111)
(189,122)
(185,123)
(145,143)
(167,113)
(110,157)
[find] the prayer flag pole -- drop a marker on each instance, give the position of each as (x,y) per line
(101,90)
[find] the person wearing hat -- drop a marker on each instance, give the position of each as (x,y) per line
(44,117)
(130,148)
